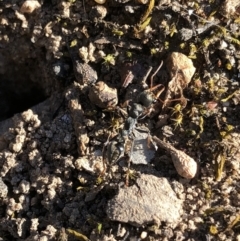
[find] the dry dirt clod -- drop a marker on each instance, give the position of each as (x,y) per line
(77,113)
(84,73)
(229,8)
(184,164)
(91,163)
(103,96)
(29,6)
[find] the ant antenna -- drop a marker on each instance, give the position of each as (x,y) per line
(84,7)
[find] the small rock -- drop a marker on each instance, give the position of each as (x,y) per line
(151,199)
(143,235)
(121,231)
(222,45)
(98,12)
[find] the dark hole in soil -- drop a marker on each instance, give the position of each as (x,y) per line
(19,89)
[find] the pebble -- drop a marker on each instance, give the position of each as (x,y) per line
(121,231)
(238,237)
(143,235)
(98,12)
(224,109)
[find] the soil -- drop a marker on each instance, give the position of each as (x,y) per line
(84,87)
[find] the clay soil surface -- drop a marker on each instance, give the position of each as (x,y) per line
(88,88)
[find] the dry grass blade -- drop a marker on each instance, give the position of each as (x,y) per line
(148,11)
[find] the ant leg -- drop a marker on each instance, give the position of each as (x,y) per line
(153,75)
(104,150)
(160,92)
(182,99)
(145,77)
(129,161)
(155,87)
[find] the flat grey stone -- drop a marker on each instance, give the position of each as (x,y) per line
(141,154)
(150,200)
